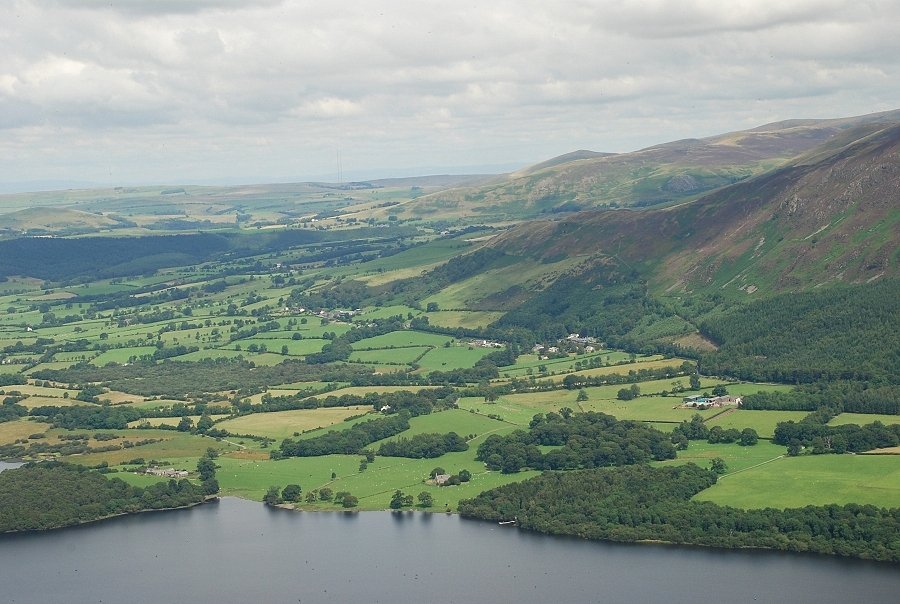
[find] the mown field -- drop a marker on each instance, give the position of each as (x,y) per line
(284,424)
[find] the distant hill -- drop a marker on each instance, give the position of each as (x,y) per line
(663,174)
(831,215)
(53,220)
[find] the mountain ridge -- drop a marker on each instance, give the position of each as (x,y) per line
(663,174)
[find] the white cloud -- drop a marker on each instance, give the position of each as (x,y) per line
(180,90)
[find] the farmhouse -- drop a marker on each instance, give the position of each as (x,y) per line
(440,479)
(485,344)
(695,400)
(166,472)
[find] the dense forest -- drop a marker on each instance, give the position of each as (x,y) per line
(842,333)
(583,440)
(422,446)
(849,397)
(641,503)
(53,495)
(92,258)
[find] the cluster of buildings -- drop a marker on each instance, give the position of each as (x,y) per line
(485,344)
(166,472)
(572,341)
(697,400)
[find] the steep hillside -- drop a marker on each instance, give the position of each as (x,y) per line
(661,174)
(830,216)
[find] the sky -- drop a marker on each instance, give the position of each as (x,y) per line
(207,91)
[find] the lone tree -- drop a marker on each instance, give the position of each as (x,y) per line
(749,437)
(582,395)
(397,500)
(425,499)
(291,492)
(271,497)
(717,465)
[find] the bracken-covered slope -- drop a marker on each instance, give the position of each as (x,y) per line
(661,174)
(832,215)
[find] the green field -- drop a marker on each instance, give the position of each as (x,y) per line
(401,339)
(403,356)
(122,355)
(455,357)
(763,422)
(862,419)
(812,480)
(452,420)
(735,456)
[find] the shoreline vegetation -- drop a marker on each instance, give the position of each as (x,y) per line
(53,495)
(637,504)
(208,499)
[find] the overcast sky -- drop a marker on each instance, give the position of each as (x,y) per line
(177,91)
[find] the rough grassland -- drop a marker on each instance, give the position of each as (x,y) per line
(811,480)
(462,318)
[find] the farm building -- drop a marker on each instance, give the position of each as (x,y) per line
(440,479)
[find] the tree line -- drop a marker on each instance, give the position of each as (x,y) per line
(422,446)
(352,440)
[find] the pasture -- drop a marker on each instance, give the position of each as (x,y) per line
(862,419)
(122,355)
(811,480)
(401,356)
(735,456)
(401,339)
(763,422)
(452,420)
(454,357)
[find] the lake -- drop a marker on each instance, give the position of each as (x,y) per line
(240,551)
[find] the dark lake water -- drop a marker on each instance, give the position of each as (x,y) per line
(241,551)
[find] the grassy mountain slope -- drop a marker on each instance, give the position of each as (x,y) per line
(661,174)
(830,216)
